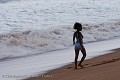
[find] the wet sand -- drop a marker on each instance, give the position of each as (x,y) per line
(104,67)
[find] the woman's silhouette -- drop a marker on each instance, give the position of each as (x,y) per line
(78,44)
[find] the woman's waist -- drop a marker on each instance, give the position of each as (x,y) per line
(79,41)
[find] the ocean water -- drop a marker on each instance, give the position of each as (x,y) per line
(30,27)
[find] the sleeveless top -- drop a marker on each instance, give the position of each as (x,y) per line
(79,37)
(79,40)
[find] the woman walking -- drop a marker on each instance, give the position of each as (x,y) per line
(78,44)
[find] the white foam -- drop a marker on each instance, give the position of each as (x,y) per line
(38,64)
(40,14)
(45,25)
(31,42)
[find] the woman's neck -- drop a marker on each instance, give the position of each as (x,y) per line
(78,31)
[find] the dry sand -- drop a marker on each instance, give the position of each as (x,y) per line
(105,67)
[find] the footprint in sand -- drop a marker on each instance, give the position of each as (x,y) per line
(78,68)
(69,67)
(106,62)
(99,63)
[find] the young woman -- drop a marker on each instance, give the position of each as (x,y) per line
(78,44)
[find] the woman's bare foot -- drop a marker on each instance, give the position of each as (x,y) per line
(81,65)
(75,67)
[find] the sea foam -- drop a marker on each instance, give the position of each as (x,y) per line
(41,41)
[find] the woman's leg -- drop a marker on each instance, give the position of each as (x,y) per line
(83,58)
(76,57)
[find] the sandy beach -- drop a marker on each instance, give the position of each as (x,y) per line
(104,67)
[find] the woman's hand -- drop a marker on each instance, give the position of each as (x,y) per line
(73,43)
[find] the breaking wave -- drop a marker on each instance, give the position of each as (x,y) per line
(59,37)
(30,42)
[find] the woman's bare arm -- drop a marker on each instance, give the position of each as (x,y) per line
(73,38)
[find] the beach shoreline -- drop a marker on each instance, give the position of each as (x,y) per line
(34,66)
(101,67)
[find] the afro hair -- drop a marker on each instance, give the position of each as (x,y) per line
(77,26)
